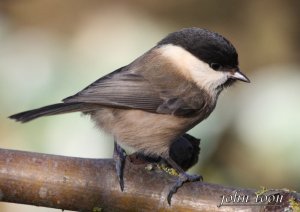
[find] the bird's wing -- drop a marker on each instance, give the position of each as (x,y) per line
(120,89)
(126,89)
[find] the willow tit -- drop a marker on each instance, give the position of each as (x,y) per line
(149,103)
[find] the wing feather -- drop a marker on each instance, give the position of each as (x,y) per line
(121,89)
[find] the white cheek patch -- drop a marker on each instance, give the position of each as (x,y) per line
(194,69)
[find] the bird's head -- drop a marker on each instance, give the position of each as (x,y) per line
(204,57)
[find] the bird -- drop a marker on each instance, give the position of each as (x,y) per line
(151,102)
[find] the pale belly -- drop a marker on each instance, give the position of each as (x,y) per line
(143,131)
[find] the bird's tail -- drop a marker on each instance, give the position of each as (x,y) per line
(50,110)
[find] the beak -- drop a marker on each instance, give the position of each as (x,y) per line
(238,75)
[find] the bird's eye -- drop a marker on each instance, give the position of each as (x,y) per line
(216,66)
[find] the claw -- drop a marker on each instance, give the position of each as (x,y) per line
(119,158)
(182,178)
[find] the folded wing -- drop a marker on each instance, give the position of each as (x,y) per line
(125,88)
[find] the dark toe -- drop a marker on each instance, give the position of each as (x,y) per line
(190,178)
(182,178)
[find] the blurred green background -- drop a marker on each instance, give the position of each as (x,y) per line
(50,49)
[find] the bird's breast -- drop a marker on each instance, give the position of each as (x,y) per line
(148,132)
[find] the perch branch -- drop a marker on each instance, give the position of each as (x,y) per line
(80,184)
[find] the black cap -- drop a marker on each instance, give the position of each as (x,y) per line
(208,46)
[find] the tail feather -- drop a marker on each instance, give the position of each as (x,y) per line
(48,110)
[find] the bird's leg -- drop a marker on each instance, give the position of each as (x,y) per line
(119,158)
(182,178)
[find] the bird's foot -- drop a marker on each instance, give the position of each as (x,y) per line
(182,178)
(119,158)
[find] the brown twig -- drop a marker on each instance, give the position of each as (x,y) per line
(91,185)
